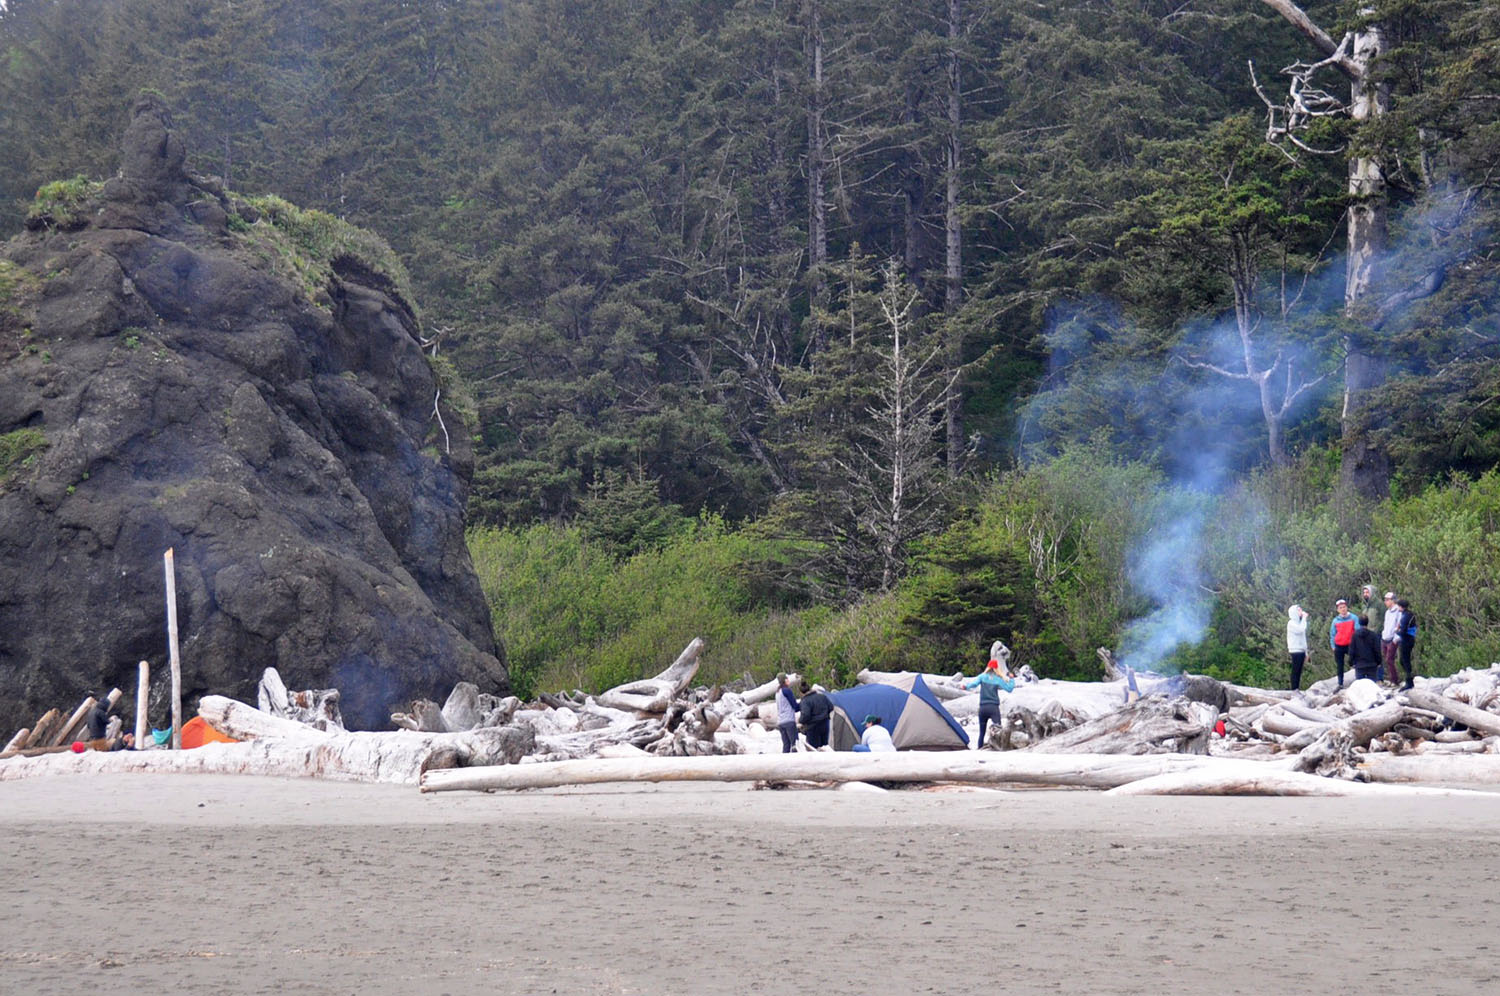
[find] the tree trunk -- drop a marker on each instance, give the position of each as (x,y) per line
(817,164)
(1365,469)
(953,255)
(1076,770)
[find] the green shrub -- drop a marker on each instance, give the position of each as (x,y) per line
(18,449)
(62,203)
(309,242)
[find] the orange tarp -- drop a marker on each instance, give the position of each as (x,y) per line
(196,732)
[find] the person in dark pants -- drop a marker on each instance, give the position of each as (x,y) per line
(786,714)
(990,681)
(1296,642)
(1341,635)
(1406,632)
(814,714)
(1364,651)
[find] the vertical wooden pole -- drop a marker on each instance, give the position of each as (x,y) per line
(142,725)
(172,651)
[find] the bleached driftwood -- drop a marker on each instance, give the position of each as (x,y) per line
(1258,778)
(767,691)
(16,741)
(653,695)
(1425,768)
(944,687)
(318,708)
(1474,719)
(72,723)
(1147,726)
(399,756)
(1021,767)
(1331,752)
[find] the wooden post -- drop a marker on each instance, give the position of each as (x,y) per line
(172,650)
(142,727)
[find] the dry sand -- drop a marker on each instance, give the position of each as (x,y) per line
(194,883)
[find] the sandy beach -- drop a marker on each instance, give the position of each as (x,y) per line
(125,884)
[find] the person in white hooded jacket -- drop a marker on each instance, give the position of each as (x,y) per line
(1296,642)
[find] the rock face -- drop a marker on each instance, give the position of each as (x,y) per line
(175,372)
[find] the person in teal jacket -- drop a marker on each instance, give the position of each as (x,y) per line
(990,681)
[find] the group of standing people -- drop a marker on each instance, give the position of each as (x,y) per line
(810,715)
(1355,642)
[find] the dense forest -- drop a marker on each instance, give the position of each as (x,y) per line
(847,333)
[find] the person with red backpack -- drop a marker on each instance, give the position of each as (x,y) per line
(1341,635)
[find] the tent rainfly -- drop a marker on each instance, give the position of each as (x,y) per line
(906,707)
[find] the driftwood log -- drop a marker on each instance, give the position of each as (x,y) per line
(1147,726)
(654,695)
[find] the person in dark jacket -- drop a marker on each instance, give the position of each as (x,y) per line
(990,682)
(813,717)
(1364,651)
(1406,632)
(98,721)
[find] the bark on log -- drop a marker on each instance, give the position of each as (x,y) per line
(1474,719)
(42,730)
(1020,767)
(653,695)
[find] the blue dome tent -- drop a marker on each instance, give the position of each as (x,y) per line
(907,708)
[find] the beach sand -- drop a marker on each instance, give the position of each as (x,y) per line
(226,885)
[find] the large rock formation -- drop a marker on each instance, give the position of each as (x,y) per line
(245,384)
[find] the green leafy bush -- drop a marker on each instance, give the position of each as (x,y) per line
(62,203)
(310,242)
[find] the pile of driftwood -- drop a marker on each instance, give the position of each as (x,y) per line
(1133,733)
(54,732)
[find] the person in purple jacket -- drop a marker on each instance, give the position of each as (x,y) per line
(786,714)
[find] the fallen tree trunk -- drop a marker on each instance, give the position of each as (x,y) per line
(17,740)
(943,686)
(653,695)
(1332,752)
(1474,719)
(1257,778)
(41,733)
(1020,767)
(1438,768)
(1361,727)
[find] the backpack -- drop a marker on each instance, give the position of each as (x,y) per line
(1411,624)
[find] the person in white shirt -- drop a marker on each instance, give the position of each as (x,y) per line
(1296,642)
(876,740)
(1390,641)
